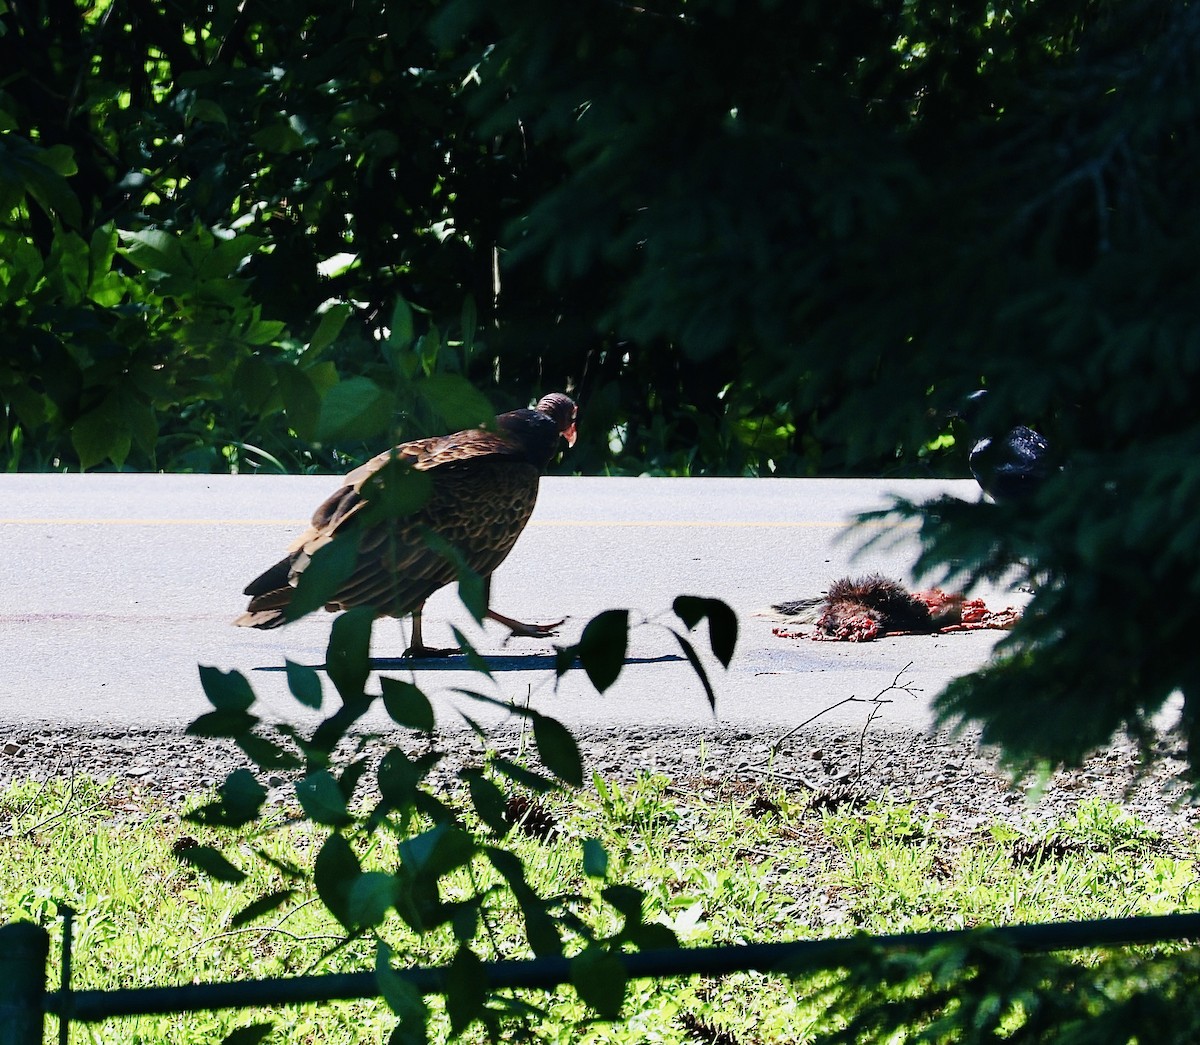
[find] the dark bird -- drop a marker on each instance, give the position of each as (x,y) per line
(1010,467)
(483,485)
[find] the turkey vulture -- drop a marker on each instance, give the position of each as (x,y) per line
(482,486)
(1009,468)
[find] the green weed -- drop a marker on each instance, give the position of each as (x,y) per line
(748,867)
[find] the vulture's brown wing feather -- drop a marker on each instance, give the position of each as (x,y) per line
(397,569)
(483,493)
(475,445)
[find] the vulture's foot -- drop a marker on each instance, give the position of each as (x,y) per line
(423,652)
(417,650)
(526,631)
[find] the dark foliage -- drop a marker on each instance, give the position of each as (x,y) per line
(988,992)
(752,237)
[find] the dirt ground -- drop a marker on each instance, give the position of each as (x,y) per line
(938,773)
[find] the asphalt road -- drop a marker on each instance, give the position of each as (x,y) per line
(117,586)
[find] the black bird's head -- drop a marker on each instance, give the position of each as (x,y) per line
(1010,463)
(971,406)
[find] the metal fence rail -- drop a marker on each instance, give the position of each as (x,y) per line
(24,947)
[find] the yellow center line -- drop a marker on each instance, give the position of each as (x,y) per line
(565,523)
(151,522)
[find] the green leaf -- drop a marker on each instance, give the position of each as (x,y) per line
(400,333)
(471,587)
(653,936)
(250,1034)
(42,173)
(595,858)
(301,399)
(334,728)
(335,871)
(356,408)
(253,384)
(690,652)
(265,904)
(428,350)
(372,895)
(265,753)
(321,576)
(488,801)
(458,402)
(557,749)
(226,691)
(398,777)
(475,660)
(541,928)
(468,320)
(464,918)
(626,899)
(101,434)
(234,724)
(351,775)
(439,850)
(153,250)
(403,999)
(602,647)
(280,137)
(70,259)
(328,328)
(101,251)
(511,869)
(221,258)
(525,777)
(322,800)
(722,623)
(60,159)
(348,655)
(242,796)
(140,420)
(304,683)
(407,705)
(472,591)
(397,490)
(207,110)
(466,989)
(564,659)
(212,863)
(599,979)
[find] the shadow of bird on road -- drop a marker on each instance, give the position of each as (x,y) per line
(459,662)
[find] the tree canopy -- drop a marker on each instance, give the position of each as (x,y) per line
(752,237)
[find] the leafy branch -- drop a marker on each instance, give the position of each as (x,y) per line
(451,872)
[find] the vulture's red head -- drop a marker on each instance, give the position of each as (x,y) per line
(563,411)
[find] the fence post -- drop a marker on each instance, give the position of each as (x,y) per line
(23,950)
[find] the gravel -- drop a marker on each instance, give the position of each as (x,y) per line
(937,772)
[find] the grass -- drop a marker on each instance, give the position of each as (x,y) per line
(751,865)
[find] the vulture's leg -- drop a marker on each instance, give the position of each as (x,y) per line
(525,631)
(417,648)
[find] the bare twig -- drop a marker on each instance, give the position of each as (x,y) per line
(896,684)
(271,930)
(876,704)
(63,811)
